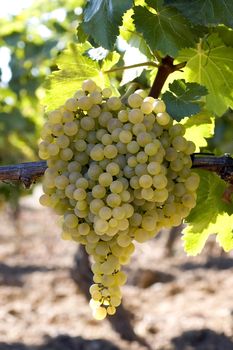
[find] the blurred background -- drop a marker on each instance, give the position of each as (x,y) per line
(171,301)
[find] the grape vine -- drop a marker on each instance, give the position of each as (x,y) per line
(119,169)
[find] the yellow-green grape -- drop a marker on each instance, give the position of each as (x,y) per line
(159,106)
(135,116)
(146,107)
(192,182)
(135,100)
(117,174)
(55,117)
(99,313)
(163,118)
(114,103)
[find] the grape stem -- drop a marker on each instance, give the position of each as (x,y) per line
(152,64)
(29,173)
(165,68)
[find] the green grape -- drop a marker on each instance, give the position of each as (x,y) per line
(135,116)
(70,128)
(113,200)
(114,103)
(179,143)
(135,100)
(66,154)
(67,116)
(177,130)
(113,169)
(159,106)
(146,107)
(145,181)
(53,149)
(110,151)
(79,194)
(105,179)
(85,103)
(143,138)
(99,313)
(159,181)
(97,153)
(63,141)
(152,148)
(106,139)
(163,118)
(117,174)
(125,136)
(192,182)
(154,168)
(55,117)
(190,148)
(189,200)
(123,116)
(89,85)
(132,161)
(141,158)
(133,147)
(57,129)
(71,220)
(107,92)
(61,182)
(71,104)
(116,187)
(105,213)
(96,98)
(45,200)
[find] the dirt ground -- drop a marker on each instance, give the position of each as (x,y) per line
(175,303)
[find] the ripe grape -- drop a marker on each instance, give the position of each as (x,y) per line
(117,174)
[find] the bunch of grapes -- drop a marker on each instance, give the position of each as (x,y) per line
(117,174)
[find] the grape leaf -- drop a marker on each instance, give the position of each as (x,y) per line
(210,216)
(226,34)
(198,128)
(182,99)
(211,66)
(137,51)
(73,69)
(205,11)
(111,59)
(128,26)
(102,19)
(166,30)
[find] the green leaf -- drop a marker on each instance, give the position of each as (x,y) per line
(205,11)
(226,34)
(102,19)
(110,61)
(210,216)
(182,99)
(74,68)
(198,128)
(128,26)
(211,65)
(166,30)
(156,4)
(137,51)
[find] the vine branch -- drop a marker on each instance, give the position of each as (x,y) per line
(165,68)
(29,173)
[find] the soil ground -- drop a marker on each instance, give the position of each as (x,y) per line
(176,302)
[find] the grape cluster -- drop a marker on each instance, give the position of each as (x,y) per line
(117,174)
